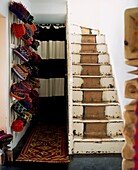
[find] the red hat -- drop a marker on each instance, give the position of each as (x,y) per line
(18,30)
(17,125)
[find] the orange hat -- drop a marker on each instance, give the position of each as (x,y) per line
(18,30)
(32,27)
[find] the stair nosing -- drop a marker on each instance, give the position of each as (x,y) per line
(98,121)
(90,53)
(89,43)
(88,34)
(121,139)
(76,25)
(96,104)
(92,64)
(95,76)
(94,89)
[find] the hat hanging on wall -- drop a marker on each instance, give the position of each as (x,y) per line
(21,12)
(24,31)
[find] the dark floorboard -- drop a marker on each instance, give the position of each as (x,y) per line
(78,162)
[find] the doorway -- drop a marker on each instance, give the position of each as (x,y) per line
(52,72)
(49,128)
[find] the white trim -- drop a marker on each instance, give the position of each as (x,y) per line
(70,81)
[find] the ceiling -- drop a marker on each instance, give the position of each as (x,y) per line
(48,11)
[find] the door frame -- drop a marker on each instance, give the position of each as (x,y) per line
(69,80)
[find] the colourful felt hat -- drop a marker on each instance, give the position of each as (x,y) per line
(21,12)
(30,28)
(18,30)
(17,93)
(17,125)
(23,54)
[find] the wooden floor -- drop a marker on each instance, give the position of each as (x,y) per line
(78,162)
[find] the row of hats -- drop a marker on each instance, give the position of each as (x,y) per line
(27,98)
(26,104)
(24,91)
(31,62)
(27,29)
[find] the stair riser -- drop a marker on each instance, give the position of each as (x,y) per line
(95,130)
(99,129)
(91,70)
(90,58)
(87,39)
(90,82)
(96,112)
(74,29)
(95,96)
(85,31)
(98,148)
(88,48)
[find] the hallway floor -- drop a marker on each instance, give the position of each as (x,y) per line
(78,162)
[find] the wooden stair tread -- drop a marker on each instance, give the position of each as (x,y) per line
(94,76)
(88,43)
(91,64)
(116,120)
(87,34)
(92,53)
(96,104)
(106,139)
(94,89)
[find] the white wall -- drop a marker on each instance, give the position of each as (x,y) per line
(108,16)
(4,65)
(49,11)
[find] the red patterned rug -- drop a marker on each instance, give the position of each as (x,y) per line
(46,143)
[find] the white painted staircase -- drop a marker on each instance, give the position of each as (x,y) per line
(97,122)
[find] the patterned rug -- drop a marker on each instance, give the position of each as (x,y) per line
(46,143)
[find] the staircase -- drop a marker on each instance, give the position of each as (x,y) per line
(97,122)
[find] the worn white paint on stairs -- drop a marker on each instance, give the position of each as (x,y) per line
(77,38)
(114,127)
(101,48)
(107,96)
(109,111)
(104,81)
(101,147)
(112,114)
(104,69)
(75,29)
(102,58)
